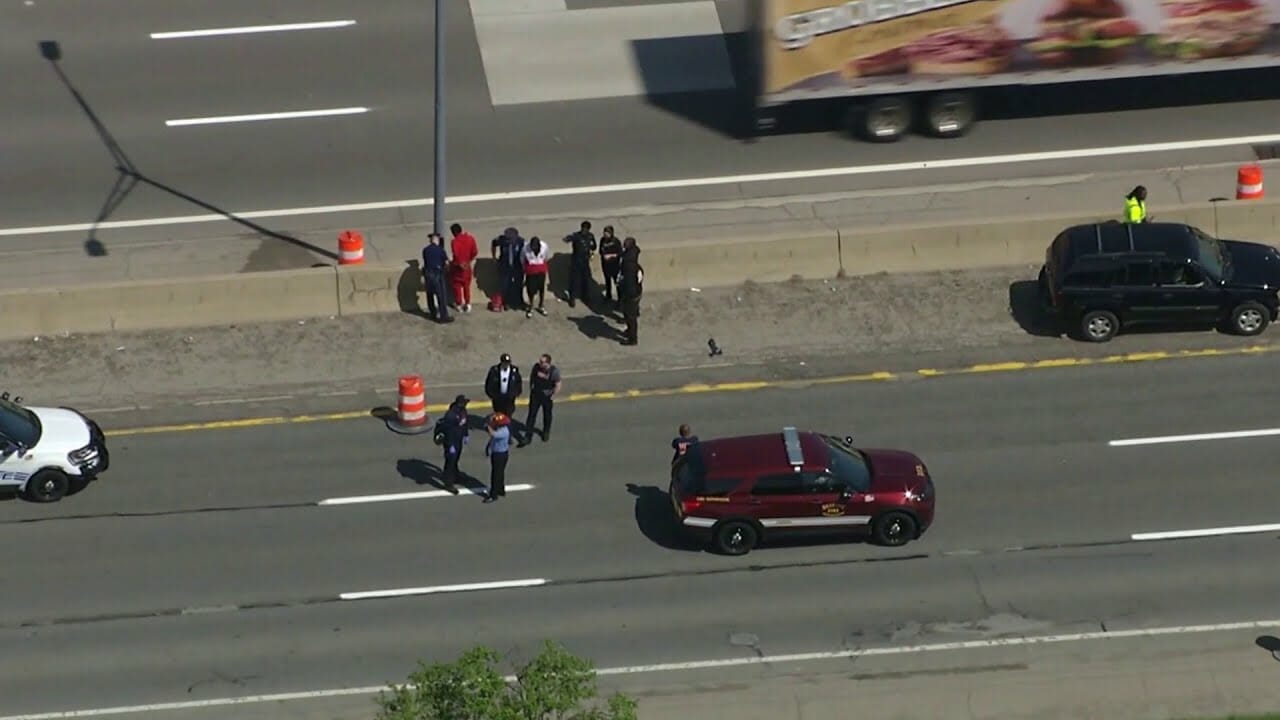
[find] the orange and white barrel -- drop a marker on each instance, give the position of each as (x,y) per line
(411,411)
(350,248)
(1249,183)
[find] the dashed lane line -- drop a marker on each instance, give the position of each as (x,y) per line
(745,386)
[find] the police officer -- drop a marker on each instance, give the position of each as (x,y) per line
(508,252)
(544,383)
(610,260)
(434,265)
(452,433)
(503,385)
(499,451)
(584,245)
(1135,205)
(630,288)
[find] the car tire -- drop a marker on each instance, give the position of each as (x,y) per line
(1099,326)
(736,537)
(1249,318)
(48,486)
(893,529)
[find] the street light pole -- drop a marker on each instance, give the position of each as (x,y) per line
(439,182)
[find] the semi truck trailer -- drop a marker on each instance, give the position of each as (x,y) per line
(901,65)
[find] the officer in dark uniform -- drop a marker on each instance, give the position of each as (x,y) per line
(503,384)
(544,383)
(584,246)
(434,264)
(508,252)
(630,288)
(452,433)
(610,260)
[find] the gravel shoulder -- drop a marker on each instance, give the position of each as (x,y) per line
(897,322)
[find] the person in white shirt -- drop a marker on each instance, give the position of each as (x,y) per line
(503,385)
(535,275)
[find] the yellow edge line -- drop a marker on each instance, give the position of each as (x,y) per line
(694,389)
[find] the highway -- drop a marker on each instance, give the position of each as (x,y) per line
(204,565)
(556,134)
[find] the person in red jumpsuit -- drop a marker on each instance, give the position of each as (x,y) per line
(465,252)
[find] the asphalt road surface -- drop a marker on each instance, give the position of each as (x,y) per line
(203,567)
(57,171)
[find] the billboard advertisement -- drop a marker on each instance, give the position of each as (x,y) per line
(826,48)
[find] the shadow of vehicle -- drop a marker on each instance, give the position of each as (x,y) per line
(1027,307)
(656,518)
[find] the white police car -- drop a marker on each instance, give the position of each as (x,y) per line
(44,450)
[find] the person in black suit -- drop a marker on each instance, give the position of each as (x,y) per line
(503,385)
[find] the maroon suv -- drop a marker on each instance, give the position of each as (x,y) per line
(736,491)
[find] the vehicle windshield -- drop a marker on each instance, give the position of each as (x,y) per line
(1213,254)
(19,424)
(849,465)
(691,471)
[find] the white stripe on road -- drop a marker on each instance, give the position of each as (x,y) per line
(690,665)
(440,589)
(250,29)
(659,184)
(424,495)
(1206,532)
(266,116)
(1195,438)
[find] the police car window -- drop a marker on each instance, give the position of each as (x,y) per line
(788,484)
(19,424)
(849,466)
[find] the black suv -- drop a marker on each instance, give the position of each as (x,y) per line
(1097,278)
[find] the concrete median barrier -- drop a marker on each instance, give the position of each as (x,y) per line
(731,260)
(158,304)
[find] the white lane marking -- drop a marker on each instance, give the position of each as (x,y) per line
(122,408)
(1206,532)
(250,29)
(691,665)
(242,401)
(426,494)
(439,589)
(659,184)
(1195,438)
(291,115)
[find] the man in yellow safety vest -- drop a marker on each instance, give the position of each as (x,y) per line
(1135,205)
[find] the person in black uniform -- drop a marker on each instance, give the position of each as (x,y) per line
(544,383)
(508,252)
(610,260)
(503,385)
(434,263)
(584,245)
(630,288)
(452,433)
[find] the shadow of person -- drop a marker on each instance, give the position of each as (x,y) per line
(595,327)
(655,519)
(421,472)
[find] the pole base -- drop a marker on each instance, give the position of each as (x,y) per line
(394,425)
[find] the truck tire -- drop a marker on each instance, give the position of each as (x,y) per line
(881,120)
(950,114)
(1249,319)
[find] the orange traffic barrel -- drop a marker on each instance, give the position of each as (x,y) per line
(350,248)
(1249,183)
(411,408)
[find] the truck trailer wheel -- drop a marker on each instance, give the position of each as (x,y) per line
(950,114)
(883,120)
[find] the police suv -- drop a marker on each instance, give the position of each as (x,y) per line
(44,450)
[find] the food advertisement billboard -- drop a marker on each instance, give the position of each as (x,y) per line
(827,48)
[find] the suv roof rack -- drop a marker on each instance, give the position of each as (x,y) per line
(791,440)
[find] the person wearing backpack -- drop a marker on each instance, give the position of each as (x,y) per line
(630,288)
(452,433)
